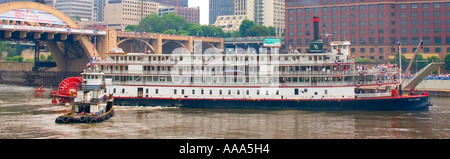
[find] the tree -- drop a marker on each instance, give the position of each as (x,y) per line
(447,61)
(131,28)
(404,61)
(14,59)
(172,21)
(195,30)
(257,30)
(169,31)
(151,23)
(246,24)
(417,62)
(433,58)
(4,47)
(273,31)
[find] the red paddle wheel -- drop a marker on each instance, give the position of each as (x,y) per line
(67,90)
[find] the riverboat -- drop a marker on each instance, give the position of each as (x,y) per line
(320,79)
(91,104)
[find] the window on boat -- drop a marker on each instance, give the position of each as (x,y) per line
(248,92)
(210,91)
(257,92)
(114,90)
(182,91)
(220,92)
(123,90)
(193,91)
(238,92)
(267,92)
(295,91)
(146,90)
(175,91)
(202,91)
(326,92)
(306,90)
(156,91)
(229,92)
(278,92)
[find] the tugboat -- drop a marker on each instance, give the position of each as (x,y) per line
(91,104)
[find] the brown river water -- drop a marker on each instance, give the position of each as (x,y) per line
(25,116)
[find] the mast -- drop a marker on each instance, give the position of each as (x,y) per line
(400,92)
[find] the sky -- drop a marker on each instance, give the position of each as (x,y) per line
(204,9)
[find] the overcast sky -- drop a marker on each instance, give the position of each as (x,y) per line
(204,9)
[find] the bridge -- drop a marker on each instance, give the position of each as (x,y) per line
(72,47)
(162,43)
(419,76)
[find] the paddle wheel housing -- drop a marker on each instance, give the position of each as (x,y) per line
(67,90)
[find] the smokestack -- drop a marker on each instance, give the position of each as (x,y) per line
(316,46)
(316,28)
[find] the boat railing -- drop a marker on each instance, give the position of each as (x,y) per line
(92,87)
(259,82)
(371,95)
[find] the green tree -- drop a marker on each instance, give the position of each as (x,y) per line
(418,62)
(18,49)
(359,60)
(447,61)
(212,31)
(182,32)
(433,58)
(257,30)
(172,21)
(246,24)
(404,61)
(131,28)
(195,30)
(232,34)
(151,23)
(4,47)
(14,59)
(169,31)
(273,31)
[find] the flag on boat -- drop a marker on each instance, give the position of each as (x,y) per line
(89,64)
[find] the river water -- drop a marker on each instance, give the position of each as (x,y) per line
(24,116)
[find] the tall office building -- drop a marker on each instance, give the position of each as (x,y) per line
(99,10)
(270,13)
(262,12)
(373,27)
(220,7)
(191,14)
(128,12)
(76,8)
(170,2)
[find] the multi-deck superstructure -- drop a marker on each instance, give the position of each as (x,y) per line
(321,79)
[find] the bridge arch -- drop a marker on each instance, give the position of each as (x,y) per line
(171,44)
(208,46)
(38,6)
(81,45)
(140,40)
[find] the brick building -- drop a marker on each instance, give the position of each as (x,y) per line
(372,26)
